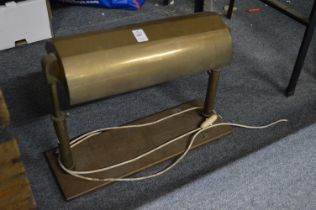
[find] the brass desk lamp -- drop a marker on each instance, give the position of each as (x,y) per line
(97,65)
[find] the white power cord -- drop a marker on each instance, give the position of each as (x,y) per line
(86,136)
(207,124)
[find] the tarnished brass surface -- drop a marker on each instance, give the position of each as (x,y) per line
(115,146)
(209,103)
(101,64)
(58,117)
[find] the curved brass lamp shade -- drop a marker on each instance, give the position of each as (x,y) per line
(101,64)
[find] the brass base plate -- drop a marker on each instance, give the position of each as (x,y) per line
(116,146)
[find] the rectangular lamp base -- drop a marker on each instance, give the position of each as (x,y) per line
(115,146)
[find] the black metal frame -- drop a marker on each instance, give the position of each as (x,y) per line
(309,22)
(198,5)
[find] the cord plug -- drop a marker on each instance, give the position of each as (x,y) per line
(209,121)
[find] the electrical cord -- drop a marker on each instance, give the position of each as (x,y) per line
(86,136)
(207,124)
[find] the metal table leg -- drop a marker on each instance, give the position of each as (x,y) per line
(165,2)
(198,5)
(302,52)
(230,9)
(308,22)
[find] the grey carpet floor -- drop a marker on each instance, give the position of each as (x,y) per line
(250,91)
(280,176)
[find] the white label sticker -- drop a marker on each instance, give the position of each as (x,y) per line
(140,35)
